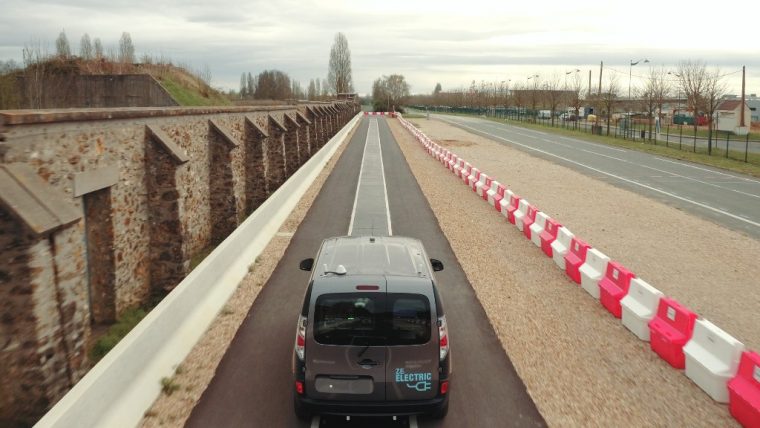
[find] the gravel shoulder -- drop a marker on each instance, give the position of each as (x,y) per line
(195,373)
(580,365)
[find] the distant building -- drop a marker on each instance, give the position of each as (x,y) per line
(754,106)
(728,115)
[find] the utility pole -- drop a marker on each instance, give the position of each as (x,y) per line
(601,69)
(589,83)
(742,106)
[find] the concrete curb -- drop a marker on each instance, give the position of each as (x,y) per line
(124,384)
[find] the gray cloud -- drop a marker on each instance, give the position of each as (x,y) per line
(449,42)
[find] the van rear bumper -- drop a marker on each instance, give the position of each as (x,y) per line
(372,408)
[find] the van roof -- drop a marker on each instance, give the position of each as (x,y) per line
(372,255)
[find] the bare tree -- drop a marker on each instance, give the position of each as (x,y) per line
(656,89)
(389,92)
(693,79)
(34,55)
(715,88)
(312,91)
(98,48)
(325,89)
(437,89)
(126,49)
(575,94)
(609,97)
(62,47)
(519,96)
(534,94)
(339,71)
(85,47)
(552,94)
(317,88)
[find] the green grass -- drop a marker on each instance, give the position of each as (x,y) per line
(116,332)
(717,159)
(186,96)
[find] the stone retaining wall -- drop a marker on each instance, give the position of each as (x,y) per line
(153,187)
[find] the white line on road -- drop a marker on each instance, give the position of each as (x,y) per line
(413,421)
(673,195)
(374,132)
(315,421)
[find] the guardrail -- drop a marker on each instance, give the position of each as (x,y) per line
(118,390)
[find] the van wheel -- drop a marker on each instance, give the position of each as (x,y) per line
(302,412)
(440,412)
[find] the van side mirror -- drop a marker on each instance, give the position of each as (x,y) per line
(306,264)
(437,265)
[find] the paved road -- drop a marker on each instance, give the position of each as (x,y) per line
(253,384)
(729,199)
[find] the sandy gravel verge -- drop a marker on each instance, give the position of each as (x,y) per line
(195,373)
(580,365)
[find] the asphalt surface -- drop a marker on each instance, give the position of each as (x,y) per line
(253,383)
(726,198)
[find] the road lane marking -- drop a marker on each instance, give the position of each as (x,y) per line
(373,137)
(315,421)
(413,421)
(664,192)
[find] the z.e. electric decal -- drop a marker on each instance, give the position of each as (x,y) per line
(418,381)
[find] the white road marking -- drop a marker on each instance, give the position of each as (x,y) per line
(385,186)
(372,126)
(708,170)
(315,421)
(673,195)
(648,167)
(413,421)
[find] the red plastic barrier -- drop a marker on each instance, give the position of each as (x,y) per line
(466,172)
(574,258)
(453,161)
(500,190)
(549,235)
(744,391)
(514,203)
(530,218)
(486,187)
(614,286)
(669,331)
(475,177)
(366,113)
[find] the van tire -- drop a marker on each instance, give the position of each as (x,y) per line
(301,412)
(440,412)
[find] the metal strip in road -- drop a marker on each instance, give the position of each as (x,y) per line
(672,195)
(367,212)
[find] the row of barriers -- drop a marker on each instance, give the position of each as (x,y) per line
(714,360)
(380,113)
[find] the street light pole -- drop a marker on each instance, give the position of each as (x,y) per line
(630,73)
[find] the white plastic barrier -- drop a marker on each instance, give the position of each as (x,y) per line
(124,384)
(537,228)
(712,359)
(474,175)
(479,185)
(522,210)
(492,192)
(561,246)
(639,307)
(458,167)
(505,202)
(592,271)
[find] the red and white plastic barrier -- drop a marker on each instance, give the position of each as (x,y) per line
(712,359)
(592,271)
(669,331)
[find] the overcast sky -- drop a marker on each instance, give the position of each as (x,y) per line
(451,42)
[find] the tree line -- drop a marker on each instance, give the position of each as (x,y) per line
(277,85)
(700,87)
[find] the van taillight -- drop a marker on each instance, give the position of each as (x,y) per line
(299,387)
(444,387)
(301,337)
(443,337)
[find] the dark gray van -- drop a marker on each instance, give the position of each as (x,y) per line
(372,337)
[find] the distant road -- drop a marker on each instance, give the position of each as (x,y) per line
(729,199)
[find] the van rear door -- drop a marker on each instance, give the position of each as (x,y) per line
(413,351)
(345,348)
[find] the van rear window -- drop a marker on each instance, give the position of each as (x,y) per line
(374,319)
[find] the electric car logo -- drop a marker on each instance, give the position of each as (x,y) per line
(418,381)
